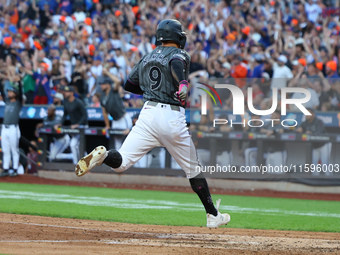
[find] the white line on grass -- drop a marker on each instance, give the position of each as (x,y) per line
(129,203)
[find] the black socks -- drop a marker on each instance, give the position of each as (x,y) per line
(200,186)
(113,159)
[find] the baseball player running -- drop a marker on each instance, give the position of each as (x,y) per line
(10,132)
(161,77)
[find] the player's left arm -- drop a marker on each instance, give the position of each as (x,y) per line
(179,71)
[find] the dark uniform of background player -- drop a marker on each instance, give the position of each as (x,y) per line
(10,133)
(250,150)
(58,142)
(321,150)
(112,104)
(276,154)
(74,108)
(161,76)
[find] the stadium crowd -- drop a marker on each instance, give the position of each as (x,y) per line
(259,43)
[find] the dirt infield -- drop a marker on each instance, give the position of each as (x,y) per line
(24,234)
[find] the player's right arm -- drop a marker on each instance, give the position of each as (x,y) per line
(132,82)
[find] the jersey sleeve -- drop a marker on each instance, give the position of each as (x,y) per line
(183,56)
(133,77)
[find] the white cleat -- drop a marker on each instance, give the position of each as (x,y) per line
(95,158)
(219,220)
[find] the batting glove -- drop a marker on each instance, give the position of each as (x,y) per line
(183,90)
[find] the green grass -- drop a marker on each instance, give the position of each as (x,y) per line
(167,208)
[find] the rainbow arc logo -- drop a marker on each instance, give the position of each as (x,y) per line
(204,97)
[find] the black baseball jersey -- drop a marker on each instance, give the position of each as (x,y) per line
(76,111)
(317,127)
(12,113)
(153,74)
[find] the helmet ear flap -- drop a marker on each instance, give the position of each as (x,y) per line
(182,42)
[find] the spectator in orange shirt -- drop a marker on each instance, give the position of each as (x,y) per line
(239,71)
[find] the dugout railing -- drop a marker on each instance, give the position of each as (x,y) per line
(300,142)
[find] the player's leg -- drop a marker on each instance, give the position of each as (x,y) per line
(315,160)
(325,153)
(325,158)
(249,155)
(181,147)
(59,146)
(65,143)
(15,149)
(140,140)
(6,153)
(74,148)
(52,154)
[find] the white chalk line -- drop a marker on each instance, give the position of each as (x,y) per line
(141,242)
(182,236)
(69,227)
(130,203)
(153,234)
(218,241)
(101,241)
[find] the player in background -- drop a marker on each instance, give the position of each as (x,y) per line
(321,150)
(112,104)
(58,142)
(10,132)
(161,77)
(74,108)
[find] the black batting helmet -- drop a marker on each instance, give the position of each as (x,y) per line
(171,30)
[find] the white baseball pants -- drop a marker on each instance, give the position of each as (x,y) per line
(160,126)
(10,135)
(322,153)
(59,146)
(74,145)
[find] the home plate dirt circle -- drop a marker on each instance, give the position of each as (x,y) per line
(25,234)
